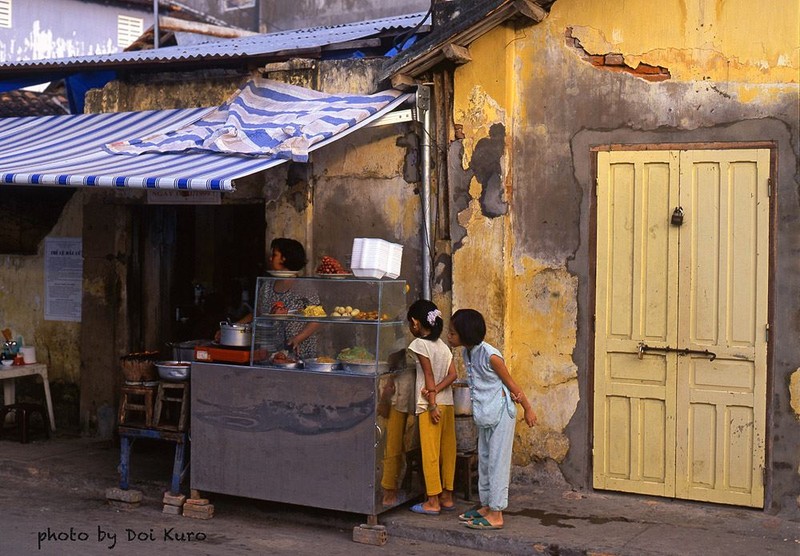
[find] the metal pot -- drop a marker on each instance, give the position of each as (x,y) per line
(176,371)
(234,334)
(462,402)
(184,351)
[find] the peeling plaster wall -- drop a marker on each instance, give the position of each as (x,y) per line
(555,104)
(22,298)
(527,298)
(360,190)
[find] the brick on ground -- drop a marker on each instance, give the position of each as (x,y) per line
(130,496)
(174,499)
(171,510)
(198,512)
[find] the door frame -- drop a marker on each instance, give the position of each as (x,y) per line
(772,146)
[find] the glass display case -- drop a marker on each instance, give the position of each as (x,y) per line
(327,430)
(348,325)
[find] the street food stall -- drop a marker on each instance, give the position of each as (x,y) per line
(306,431)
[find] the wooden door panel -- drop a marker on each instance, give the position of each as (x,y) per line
(723,308)
(634,398)
(667,423)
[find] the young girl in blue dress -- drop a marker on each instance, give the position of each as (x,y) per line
(494,394)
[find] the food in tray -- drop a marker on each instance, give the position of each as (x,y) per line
(370,315)
(345,312)
(283,358)
(329,265)
(356,354)
(325,359)
(279,308)
(314,311)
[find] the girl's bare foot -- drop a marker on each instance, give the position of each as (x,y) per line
(389,496)
(446,500)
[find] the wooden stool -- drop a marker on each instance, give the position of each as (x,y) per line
(177,394)
(467,473)
(22,418)
(137,399)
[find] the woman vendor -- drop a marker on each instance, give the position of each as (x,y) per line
(289,295)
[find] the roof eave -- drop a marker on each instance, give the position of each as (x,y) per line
(461,31)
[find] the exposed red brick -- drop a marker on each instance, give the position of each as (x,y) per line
(596,60)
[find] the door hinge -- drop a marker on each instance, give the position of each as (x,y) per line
(769,187)
(766,333)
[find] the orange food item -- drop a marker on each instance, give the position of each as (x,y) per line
(278,308)
(282,357)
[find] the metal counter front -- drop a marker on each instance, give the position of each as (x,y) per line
(294,436)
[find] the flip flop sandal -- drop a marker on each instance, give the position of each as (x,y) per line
(482,523)
(469,515)
(418,509)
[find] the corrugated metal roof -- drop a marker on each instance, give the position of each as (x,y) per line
(253,46)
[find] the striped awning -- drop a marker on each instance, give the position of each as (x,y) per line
(70,151)
(265,118)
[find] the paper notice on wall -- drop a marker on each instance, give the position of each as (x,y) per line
(63,278)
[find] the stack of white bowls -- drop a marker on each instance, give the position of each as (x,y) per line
(375,258)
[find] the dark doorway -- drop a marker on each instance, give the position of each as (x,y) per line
(197,266)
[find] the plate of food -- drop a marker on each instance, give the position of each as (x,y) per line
(323,363)
(279,310)
(285,360)
(344,313)
(313,312)
(283,273)
(331,268)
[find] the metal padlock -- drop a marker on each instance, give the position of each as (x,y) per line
(677,216)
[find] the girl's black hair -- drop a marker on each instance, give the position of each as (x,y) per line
(420,310)
(469,325)
(292,250)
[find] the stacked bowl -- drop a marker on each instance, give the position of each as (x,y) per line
(375,258)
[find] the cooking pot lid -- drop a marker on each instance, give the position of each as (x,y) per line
(235,326)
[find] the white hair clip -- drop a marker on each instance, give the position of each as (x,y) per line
(432,316)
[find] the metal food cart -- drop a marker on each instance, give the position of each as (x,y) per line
(301,436)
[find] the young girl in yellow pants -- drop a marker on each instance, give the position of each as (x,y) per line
(437,426)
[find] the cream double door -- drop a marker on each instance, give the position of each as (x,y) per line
(680,358)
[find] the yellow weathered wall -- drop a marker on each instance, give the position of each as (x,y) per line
(22,298)
(506,267)
(735,42)
(529,305)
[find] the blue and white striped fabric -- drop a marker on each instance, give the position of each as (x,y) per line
(265,118)
(70,151)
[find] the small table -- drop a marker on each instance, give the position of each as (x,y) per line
(7,374)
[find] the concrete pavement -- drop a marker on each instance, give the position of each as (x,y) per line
(541,518)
